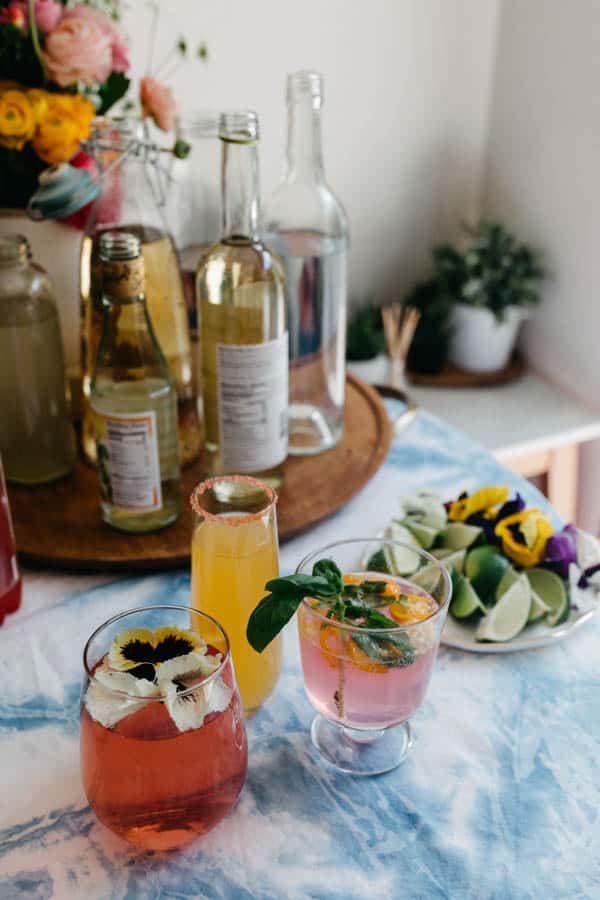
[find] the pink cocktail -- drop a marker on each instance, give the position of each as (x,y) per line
(367,683)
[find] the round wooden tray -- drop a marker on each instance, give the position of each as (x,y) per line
(60,525)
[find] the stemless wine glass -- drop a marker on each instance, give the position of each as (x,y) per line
(234,553)
(163,740)
(366,683)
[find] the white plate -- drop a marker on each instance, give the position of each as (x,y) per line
(462,635)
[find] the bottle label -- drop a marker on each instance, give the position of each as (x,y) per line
(128,462)
(253,400)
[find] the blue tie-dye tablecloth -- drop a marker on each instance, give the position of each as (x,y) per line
(499,798)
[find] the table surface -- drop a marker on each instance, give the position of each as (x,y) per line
(510,420)
(499,798)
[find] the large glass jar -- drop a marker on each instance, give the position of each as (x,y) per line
(131,201)
(36,436)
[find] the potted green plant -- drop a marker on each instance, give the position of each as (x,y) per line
(499,280)
(474,305)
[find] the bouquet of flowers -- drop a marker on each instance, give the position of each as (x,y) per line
(60,65)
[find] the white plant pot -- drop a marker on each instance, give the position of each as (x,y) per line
(479,342)
(55,247)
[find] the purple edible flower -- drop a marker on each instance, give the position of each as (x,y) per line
(561,551)
(511,508)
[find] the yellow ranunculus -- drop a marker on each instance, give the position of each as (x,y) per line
(39,103)
(17,121)
(484,499)
(524,536)
(67,122)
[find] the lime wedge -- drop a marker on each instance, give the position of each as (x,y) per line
(379,562)
(464,597)
(404,560)
(455,559)
(427,578)
(508,579)
(427,508)
(441,552)
(509,616)
(538,608)
(457,535)
(484,567)
(552,592)
(425,534)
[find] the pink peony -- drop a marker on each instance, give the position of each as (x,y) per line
(158,102)
(78,50)
(120,60)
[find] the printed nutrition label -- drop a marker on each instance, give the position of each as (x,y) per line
(128,460)
(253,400)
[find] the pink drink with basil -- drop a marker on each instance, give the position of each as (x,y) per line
(347,681)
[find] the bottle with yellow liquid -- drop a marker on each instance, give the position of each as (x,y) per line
(240,293)
(234,553)
(129,203)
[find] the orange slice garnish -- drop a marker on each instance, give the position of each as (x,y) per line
(412,608)
(391,588)
(362,660)
(331,645)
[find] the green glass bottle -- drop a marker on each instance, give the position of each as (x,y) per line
(133,400)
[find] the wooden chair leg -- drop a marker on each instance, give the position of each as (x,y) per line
(563,475)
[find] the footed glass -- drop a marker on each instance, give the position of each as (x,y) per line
(163,740)
(364,687)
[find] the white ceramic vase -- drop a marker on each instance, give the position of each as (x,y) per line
(55,247)
(481,343)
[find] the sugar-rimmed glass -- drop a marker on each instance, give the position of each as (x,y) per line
(234,554)
(162,764)
(364,704)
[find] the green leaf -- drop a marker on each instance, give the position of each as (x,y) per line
(269,617)
(326,568)
(390,650)
(303,585)
(115,87)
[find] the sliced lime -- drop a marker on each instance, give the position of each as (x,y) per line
(427,578)
(508,579)
(423,533)
(404,560)
(464,597)
(552,592)
(455,559)
(538,608)
(484,567)
(509,616)
(427,508)
(457,535)
(441,552)
(380,562)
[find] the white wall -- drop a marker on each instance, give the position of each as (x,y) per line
(407,89)
(543,177)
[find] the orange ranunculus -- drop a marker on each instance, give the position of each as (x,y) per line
(17,120)
(67,122)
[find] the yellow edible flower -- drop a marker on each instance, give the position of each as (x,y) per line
(534,529)
(484,499)
(39,103)
(17,120)
(67,122)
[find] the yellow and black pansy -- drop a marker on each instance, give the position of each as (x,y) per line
(141,651)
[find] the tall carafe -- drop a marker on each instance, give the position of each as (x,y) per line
(240,290)
(36,436)
(131,201)
(306,225)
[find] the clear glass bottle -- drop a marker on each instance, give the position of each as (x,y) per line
(240,291)
(133,399)
(307,226)
(36,437)
(130,202)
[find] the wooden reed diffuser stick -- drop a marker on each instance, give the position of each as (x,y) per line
(399,325)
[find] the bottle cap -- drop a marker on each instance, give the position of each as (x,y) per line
(305,83)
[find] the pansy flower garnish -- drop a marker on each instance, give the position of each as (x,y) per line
(561,551)
(170,665)
(141,651)
(486,498)
(524,536)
